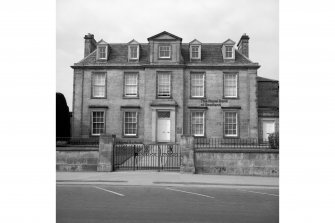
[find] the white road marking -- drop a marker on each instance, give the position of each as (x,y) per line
(189,192)
(259,192)
(110,191)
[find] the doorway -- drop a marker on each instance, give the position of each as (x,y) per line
(268,128)
(163,126)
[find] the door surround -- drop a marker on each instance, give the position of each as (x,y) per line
(163,125)
(154,119)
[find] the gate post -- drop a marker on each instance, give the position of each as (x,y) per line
(106,146)
(159,158)
(187,154)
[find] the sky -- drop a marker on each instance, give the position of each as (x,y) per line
(209,21)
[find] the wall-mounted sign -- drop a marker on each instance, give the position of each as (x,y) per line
(214,102)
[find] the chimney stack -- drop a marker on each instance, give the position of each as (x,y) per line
(243,45)
(90,44)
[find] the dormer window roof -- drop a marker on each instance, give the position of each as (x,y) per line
(102,50)
(228,50)
(133,50)
(164,35)
(195,50)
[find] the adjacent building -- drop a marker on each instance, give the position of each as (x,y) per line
(268,107)
(160,90)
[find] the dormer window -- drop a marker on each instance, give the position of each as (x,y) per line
(133,52)
(165,52)
(195,54)
(102,51)
(229,51)
(195,50)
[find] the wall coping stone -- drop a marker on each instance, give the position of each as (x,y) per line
(220,150)
(77,148)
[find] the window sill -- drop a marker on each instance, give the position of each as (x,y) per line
(231,98)
(161,97)
(98,97)
(125,136)
(191,97)
(231,137)
(128,97)
(96,136)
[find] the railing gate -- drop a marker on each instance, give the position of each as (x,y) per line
(159,157)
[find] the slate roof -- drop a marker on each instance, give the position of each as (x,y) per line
(211,54)
(268,93)
(263,79)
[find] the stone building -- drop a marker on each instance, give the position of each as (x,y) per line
(160,90)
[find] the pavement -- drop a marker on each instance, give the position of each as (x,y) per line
(150,178)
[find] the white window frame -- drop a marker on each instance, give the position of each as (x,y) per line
(203,123)
(231,51)
(92,123)
(124,123)
(106,52)
(126,85)
(98,85)
(158,84)
(225,86)
(130,52)
(203,85)
(169,50)
(199,51)
(224,124)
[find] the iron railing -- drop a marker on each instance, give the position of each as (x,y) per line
(229,143)
(77,141)
(160,157)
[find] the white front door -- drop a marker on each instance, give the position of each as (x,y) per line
(268,128)
(163,127)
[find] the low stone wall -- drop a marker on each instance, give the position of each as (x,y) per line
(252,162)
(77,158)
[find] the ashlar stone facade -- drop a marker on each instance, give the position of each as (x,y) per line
(160,90)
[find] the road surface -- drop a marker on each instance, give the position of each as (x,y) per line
(106,203)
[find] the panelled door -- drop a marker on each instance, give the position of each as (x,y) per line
(163,126)
(268,128)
